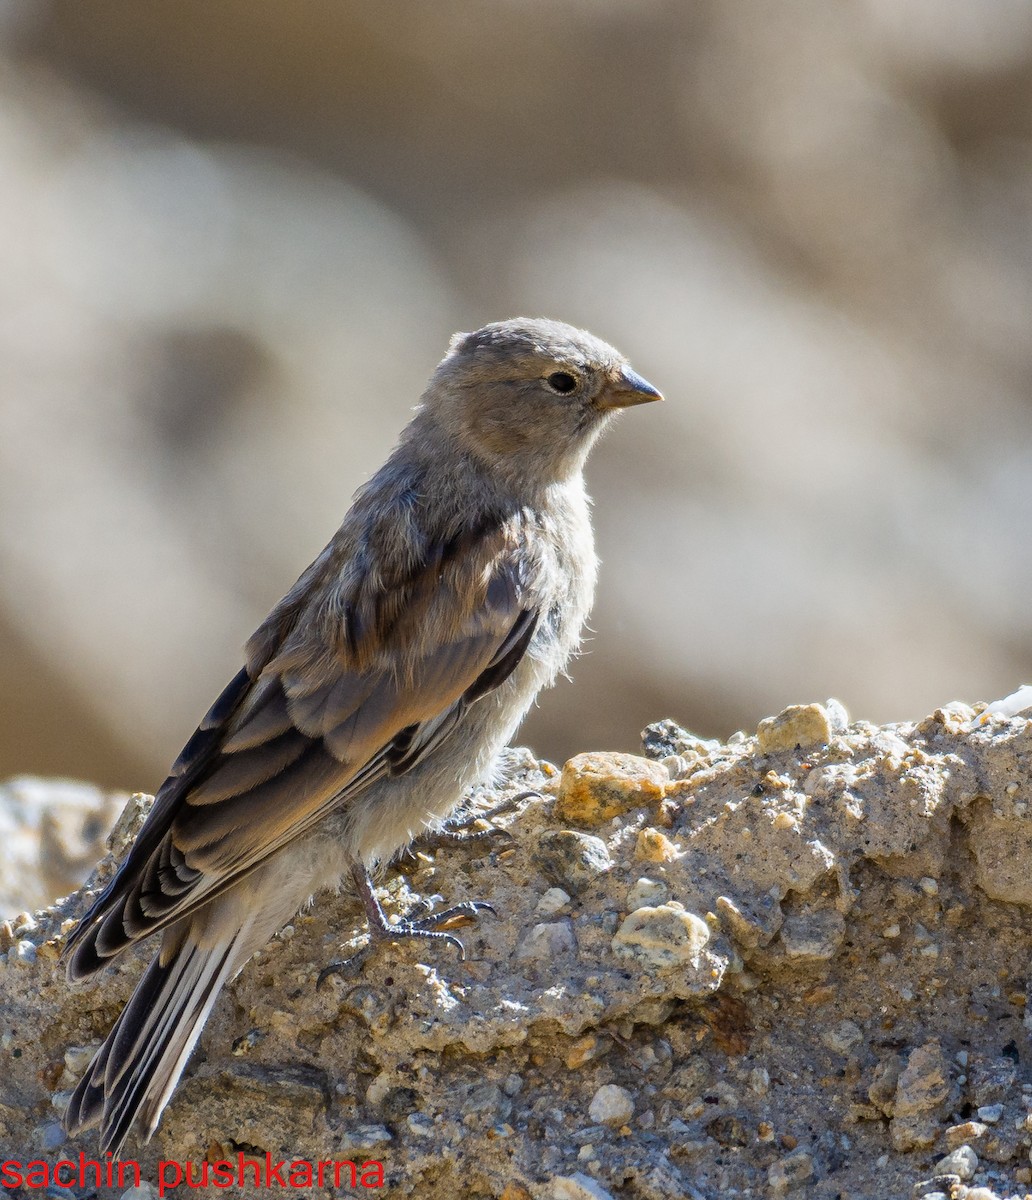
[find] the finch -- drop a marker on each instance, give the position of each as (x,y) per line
(380,687)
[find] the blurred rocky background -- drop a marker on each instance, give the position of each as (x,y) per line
(236,234)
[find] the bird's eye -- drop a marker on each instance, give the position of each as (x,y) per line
(562,382)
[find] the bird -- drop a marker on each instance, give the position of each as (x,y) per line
(382,686)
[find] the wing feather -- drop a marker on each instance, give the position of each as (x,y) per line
(335,696)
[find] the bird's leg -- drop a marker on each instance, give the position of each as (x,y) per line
(459,831)
(381,929)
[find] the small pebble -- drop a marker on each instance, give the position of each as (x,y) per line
(611,1105)
(598,786)
(24,923)
(573,861)
(662,937)
(553,901)
(677,765)
(577,1187)
(547,941)
(583,1051)
(647,893)
(652,845)
(801,725)
(420,1125)
(22,954)
(929,886)
(815,935)
(969,1131)
(52,1135)
(890,931)
(759,1080)
(790,1172)
(838,717)
(843,1037)
(990,1113)
(963,1162)
(77,1059)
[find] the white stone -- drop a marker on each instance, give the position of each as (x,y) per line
(547,940)
(611,1105)
(662,937)
(577,1187)
(647,893)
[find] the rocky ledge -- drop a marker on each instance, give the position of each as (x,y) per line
(794,963)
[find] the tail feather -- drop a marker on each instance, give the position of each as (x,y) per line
(136,1069)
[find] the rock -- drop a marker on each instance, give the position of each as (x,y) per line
(663,937)
(604,970)
(515,1191)
(815,935)
(932,1189)
(843,1037)
(645,892)
(594,788)
(584,1050)
(968,1131)
(573,861)
(962,1162)
(652,845)
(22,954)
(554,901)
(548,941)
(611,1105)
(791,1171)
(922,1093)
(1002,848)
(53,833)
(666,738)
(799,725)
(991,1081)
(577,1187)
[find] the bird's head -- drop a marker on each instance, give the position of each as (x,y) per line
(528,397)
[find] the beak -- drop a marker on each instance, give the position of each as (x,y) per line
(628,389)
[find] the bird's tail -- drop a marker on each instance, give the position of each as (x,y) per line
(135,1071)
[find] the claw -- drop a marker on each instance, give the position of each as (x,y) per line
(381,930)
(459,831)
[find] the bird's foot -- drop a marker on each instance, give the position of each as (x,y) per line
(462,831)
(382,930)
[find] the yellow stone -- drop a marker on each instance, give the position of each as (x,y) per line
(801,725)
(583,1050)
(654,846)
(596,787)
(515,1191)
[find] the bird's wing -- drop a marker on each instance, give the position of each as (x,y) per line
(342,688)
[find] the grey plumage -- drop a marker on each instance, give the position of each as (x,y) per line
(383,684)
